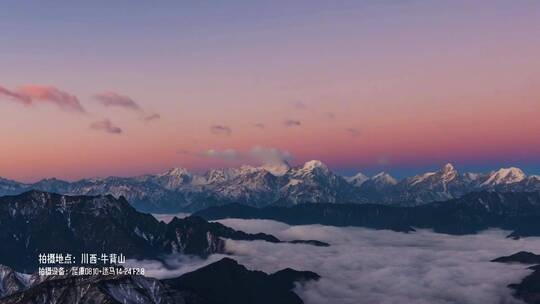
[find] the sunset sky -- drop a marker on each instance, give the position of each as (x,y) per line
(100,88)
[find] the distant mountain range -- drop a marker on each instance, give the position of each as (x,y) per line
(518,212)
(180,190)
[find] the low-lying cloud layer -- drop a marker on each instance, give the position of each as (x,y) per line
(368,266)
(173,266)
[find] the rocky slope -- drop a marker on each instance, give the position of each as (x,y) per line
(12,281)
(39,222)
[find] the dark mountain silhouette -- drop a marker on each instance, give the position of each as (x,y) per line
(39,222)
(528,289)
(518,212)
(522,257)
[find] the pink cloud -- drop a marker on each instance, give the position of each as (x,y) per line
(15,96)
(31,94)
(105,125)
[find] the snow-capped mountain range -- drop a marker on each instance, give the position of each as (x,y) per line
(178,189)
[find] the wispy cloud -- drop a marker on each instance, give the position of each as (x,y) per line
(227,154)
(112,99)
(220,130)
(329,115)
(300,105)
(15,96)
(32,94)
(183,152)
(270,156)
(259,125)
(258,154)
(105,125)
(292,123)
(353,132)
(151,117)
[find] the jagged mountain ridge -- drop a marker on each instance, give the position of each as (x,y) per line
(39,222)
(178,189)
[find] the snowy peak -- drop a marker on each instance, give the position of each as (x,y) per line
(384,178)
(444,175)
(448,172)
(216,176)
(177,189)
(504,176)
(358,179)
(313,165)
(277,169)
(173,178)
(472,177)
(176,172)
(312,168)
(448,169)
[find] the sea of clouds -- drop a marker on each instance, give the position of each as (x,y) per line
(369,266)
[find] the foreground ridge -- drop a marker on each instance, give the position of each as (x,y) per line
(224,281)
(77,224)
